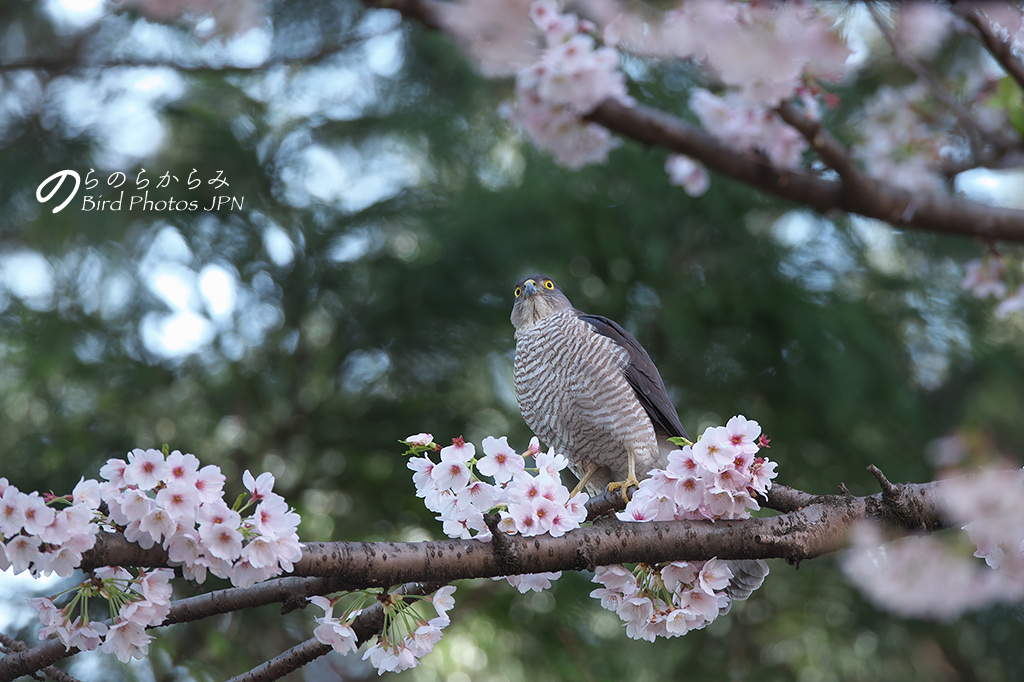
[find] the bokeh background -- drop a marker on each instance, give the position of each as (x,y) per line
(361,294)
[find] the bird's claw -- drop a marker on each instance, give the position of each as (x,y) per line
(625,485)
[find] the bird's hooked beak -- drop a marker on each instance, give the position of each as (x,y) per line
(530,288)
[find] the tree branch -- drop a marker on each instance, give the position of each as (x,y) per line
(1002,50)
(817,525)
(10,644)
(366,625)
(899,207)
(963,116)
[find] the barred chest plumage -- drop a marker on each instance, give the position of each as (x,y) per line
(572,393)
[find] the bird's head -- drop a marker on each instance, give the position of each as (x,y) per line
(536,298)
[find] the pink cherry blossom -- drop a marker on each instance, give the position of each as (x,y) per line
(259,487)
(180,500)
(501,462)
(127,640)
(113,471)
(420,439)
(210,483)
(146,468)
(532,582)
(12,514)
(36,516)
(686,173)
(183,468)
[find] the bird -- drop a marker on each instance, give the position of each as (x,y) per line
(587,388)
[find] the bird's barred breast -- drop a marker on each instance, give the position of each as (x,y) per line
(573,394)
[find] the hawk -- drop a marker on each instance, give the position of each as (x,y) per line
(589,390)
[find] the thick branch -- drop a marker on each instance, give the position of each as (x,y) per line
(10,644)
(817,525)
(901,208)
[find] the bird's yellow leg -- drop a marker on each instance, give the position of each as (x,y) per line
(583,482)
(630,479)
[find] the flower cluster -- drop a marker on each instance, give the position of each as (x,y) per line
(35,536)
(991,507)
(137,602)
(898,145)
(767,50)
(153,498)
(406,636)
(571,78)
(667,600)
(529,503)
(987,276)
(746,126)
(169,500)
(927,577)
(715,478)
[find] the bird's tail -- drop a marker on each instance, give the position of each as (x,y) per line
(747,576)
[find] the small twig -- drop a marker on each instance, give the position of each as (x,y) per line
(1002,50)
(843,489)
(963,116)
(887,487)
(829,149)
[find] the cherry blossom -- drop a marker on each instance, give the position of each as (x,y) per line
(407,635)
(927,577)
(501,462)
(146,468)
(155,499)
(573,75)
(688,174)
(717,477)
(421,439)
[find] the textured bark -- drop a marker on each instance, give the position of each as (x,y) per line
(811,526)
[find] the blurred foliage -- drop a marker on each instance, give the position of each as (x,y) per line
(387,211)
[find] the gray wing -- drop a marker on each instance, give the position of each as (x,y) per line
(642,376)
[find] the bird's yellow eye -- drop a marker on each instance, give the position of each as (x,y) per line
(519,290)
(548,284)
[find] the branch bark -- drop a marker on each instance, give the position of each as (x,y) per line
(814,525)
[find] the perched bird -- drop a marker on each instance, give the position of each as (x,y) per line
(588,389)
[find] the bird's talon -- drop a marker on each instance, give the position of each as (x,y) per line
(625,486)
